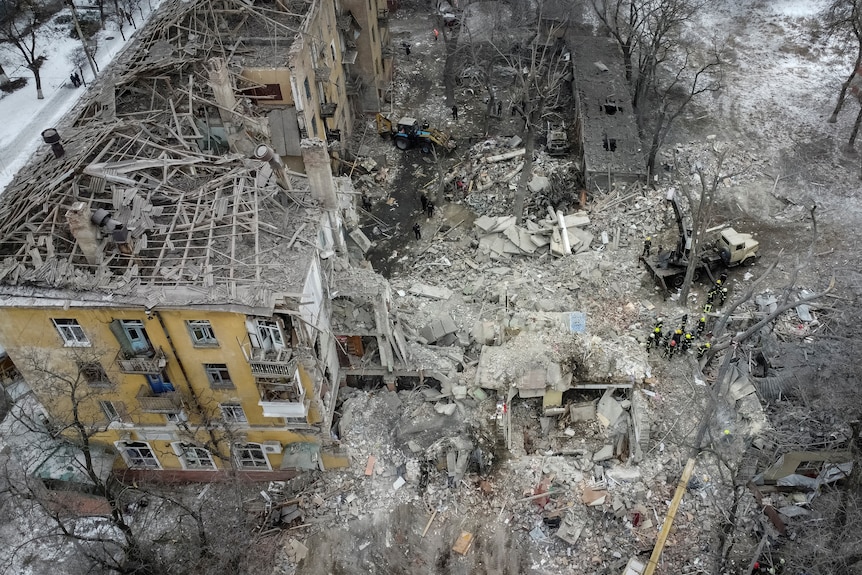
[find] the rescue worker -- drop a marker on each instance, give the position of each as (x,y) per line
(655,335)
(702,349)
(701,326)
(647,246)
(687,340)
(670,348)
(683,322)
(722,295)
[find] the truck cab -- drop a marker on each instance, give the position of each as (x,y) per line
(737,248)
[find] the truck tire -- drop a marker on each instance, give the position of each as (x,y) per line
(747,261)
(678,280)
(696,276)
(402,143)
(426,148)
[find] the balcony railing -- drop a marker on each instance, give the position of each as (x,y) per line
(327,109)
(161,403)
(269,363)
(142,364)
(291,410)
(283,400)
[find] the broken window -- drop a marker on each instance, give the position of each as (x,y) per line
(218,375)
(94,374)
(71,332)
(138,455)
(132,337)
(611,107)
(193,457)
(202,333)
(232,413)
(610,144)
(250,456)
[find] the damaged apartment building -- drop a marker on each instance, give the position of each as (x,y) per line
(167,268)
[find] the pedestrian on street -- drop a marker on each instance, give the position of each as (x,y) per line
(429,209)
(436,34)
(455,112)
(647,246)
(74,80)
(417,229)
(77,79)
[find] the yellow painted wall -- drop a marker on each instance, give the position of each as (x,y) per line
(29,335)
(280,76)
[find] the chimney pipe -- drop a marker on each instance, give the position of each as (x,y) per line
(52,136)
(268,155)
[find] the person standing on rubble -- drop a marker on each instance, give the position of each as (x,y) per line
(702,349)
(701,326)
(670,348)
(423,199)
(655,335)
(455,112)
(647,246)
(687,340)
(417,230)
(429,209)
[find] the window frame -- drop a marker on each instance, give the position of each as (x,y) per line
(249,447)
(202,325)
(110,410)
(94,367)
(68,329)
(214,372)
(138,461)
(181,449)
(230,414)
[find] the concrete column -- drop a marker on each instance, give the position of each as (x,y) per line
(87,234)
(389,380)
(319,171)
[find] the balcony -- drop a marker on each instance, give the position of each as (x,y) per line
(327,109)
(382,16)
(269,363)
(285,399)
(353,86)
(158,403)
(144,364)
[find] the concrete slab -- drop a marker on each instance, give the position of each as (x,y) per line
(432,292)
(578,219)
(604,454)
(608,411)
(582,411)
(361,240)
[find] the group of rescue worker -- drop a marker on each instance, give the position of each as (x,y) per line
(682,339)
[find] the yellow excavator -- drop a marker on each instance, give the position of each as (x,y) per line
(408,133)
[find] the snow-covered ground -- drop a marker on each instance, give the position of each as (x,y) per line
(22,115)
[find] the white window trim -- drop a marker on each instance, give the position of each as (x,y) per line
(71,341)
(123,446)
(229,407)
(180,451)
(202,324)
(237,446)
(221,383)
(110,411)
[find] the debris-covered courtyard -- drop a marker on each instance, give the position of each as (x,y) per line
(549,428)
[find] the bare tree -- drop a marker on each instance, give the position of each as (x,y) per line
(662,71)
(207,540)
(19,28)
(844,19)
(4,79)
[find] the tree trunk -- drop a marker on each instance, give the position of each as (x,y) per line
(655,144)
(4,79)
(38,78)
(834,117)
(855,131)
